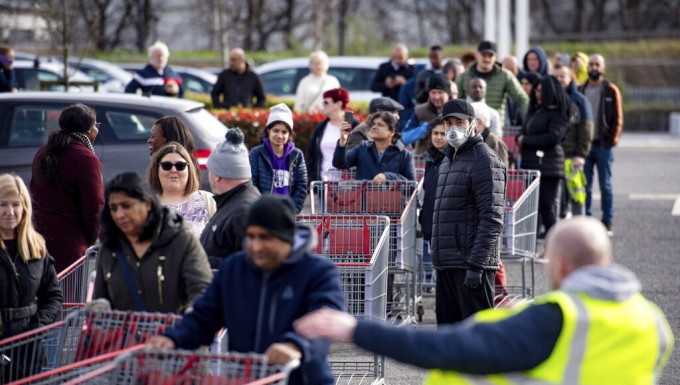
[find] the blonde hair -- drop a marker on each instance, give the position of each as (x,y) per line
(30,243)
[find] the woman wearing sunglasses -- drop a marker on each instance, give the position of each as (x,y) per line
(149,260)
(177,185)
(67,187)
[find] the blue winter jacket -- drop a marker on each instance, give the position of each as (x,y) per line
(263,174)
(151,82)
(397,162)
(258,307)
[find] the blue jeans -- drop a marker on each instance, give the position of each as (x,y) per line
(602,158)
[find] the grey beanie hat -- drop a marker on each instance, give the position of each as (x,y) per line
(230,159)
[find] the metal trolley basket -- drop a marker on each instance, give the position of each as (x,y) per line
(73,280)
(82,335)
(153,367)
(396,200)
(358,246)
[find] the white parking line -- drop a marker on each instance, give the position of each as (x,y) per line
(653,197)
(676,207)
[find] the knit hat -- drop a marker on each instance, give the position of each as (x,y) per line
(439,82)
(230,159)
(276,214)
(280,113)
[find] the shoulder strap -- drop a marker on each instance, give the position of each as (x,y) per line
(130,282)
(209,202)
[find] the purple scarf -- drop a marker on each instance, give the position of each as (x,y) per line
(280,168)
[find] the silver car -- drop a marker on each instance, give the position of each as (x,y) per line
(27,118)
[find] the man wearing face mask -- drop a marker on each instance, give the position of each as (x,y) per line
(605,98)
(468,218)
(157,78)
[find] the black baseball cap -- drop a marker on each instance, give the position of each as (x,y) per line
(459,108)
(487,47)
(384,104)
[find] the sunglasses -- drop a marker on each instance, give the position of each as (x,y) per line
(179,166)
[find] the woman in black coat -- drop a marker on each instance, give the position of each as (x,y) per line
(30,296)
(540,141)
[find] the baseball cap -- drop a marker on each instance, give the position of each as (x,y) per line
(459,108)
(384,104)
(487,46)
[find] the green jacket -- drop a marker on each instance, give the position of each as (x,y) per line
(500,83)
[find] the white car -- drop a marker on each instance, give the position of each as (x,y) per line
(195,80)
(30,73)
(355,73)
(110,76)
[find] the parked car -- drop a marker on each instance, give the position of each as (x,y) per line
(27,118)
(355,73)
(110,76)
(195,80)
(30,73)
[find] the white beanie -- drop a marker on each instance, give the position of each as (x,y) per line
(280,113)
(230,159)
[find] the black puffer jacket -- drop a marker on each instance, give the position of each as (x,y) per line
(469,208)
(544,131)
(32,283)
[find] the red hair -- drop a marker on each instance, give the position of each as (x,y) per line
(338,94)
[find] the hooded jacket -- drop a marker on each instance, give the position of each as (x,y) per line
(172,273)
(469,208)
(258,307)
(263,173)
(224,233)
(517,343)
(542,60)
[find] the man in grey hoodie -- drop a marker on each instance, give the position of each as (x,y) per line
(594,327)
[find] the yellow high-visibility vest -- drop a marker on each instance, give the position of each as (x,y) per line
(601,343)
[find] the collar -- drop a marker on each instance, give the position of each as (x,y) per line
(223,198)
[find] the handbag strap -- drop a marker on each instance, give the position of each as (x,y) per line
(130,282)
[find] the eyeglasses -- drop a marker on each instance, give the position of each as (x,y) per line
(326,102)
(97,125)
(179,166)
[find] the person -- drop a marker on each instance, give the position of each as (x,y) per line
(571,335)
(439,92)
(579,65)
(230,180)
(500,82)
(277,166)
(576,145)
(30,296)
(278,272)
(172,177)
(148,259)
(157,78)
(319,157)
(393,74)
(173,129)
(541,143)
(468,218)
(433,156)
(512,117)
(452,69)
(605,99)
(238,84)
(380,159)
(436,65)
(362,131)
(477,94)
(67,186)
(535,60)
(309,92)
(8,82)
(482,123)
(467,58)
(529,81)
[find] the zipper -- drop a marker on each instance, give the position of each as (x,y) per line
(160,277)
(260,310)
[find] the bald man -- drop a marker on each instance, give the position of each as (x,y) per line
(238,84)
(593,328)
(607,106)
(393,74)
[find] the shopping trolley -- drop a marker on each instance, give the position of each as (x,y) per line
(73,280)
(514,153)
(189,367)
(358,246)
(81,335)
(396,200)
(519,230)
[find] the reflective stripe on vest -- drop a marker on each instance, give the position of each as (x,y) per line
(586,352)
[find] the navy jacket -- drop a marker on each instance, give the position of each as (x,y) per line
(263,174)
(258,307)
(151,82)
(7,80)
(397,162)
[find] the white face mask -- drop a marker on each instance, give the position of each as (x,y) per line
(456,136)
